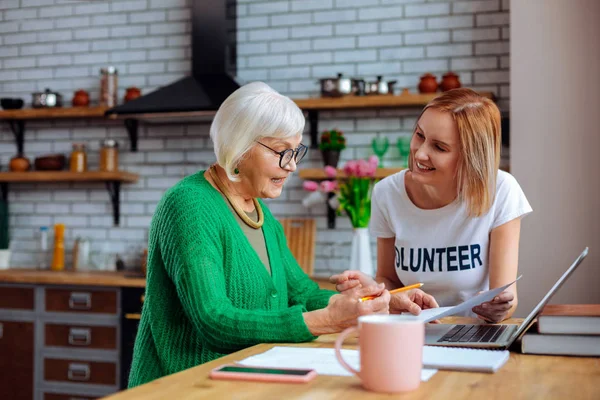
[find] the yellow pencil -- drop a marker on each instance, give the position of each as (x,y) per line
(402,289)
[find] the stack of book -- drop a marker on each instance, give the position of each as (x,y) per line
(565,329)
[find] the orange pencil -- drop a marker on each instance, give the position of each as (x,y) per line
(402,289)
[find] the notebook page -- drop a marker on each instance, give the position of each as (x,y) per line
(321,360)
(463,359)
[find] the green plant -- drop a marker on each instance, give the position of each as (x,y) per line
(4,236)
(332,140)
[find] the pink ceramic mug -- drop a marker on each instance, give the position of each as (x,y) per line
(391,352)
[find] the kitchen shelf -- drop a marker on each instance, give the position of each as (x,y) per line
(113,182)
(16,119)
(404,100)
(53,113)
(319,173)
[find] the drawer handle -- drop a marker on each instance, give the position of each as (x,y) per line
(80,301)
(1,330)
(80,336)
(78,372)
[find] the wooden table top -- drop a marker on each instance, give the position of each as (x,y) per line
(82,278)
(524,376)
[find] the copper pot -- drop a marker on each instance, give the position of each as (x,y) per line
(81,98)
(132,93)
(450,81)
(428,84)
(19,164)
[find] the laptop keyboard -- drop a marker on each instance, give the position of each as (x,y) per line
(473,333)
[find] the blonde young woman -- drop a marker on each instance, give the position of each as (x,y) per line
(451,220)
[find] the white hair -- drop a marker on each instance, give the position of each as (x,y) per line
(252,112)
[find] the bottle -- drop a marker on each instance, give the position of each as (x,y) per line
(108,86)
(58,259)
(109,155)
(43,250)
(78,160)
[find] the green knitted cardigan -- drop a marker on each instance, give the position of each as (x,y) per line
(207,292)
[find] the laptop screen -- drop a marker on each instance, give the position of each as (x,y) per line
(531,317)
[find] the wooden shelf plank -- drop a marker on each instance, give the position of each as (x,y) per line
(319,173)
(68,176)
(375,101)
(54,113)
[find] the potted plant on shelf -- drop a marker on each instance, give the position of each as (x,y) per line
(4,235)
(331,144)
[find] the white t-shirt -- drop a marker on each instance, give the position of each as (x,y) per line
(444,248)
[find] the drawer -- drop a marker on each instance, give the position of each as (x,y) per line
(80,336)
(16,298)
(78,371)
(85,301)
(64,396)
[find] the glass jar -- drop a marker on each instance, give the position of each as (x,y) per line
(78,162)
(109,155)
(108,86)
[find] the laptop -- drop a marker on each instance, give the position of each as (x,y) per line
(488,336)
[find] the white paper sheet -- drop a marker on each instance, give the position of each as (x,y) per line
(436,313)
(321,360)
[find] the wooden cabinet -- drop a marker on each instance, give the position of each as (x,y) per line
(81,301)
(81,336)
(16,298)
(17,351)
(78,371)
(59,342)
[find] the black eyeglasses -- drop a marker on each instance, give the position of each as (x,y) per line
(285,156)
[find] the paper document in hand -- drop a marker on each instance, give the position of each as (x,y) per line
(321,360)
(431,314)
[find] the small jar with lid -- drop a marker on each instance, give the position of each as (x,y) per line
(109,155)
(108,86)
(78,161)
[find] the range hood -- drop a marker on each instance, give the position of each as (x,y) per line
(213,58)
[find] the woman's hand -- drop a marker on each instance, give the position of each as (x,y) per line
(344,309)
(497,309)
(412,301)
(351,280)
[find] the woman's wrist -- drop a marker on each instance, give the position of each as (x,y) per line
(319,322)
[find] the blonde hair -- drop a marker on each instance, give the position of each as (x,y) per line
(478,121)
(252,112)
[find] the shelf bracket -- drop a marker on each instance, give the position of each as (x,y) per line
(114,188)
(18,128)
(132,129)
(313,120)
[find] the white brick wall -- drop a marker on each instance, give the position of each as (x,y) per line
(289,44)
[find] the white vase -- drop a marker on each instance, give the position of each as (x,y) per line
(360,254)
(4,258)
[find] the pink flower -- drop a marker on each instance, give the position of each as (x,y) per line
(310,186)
(351,168)
(374,161)
(330,171)
(328,186)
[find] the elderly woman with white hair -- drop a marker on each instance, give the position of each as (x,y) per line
(220,274)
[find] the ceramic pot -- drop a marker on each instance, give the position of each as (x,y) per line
(131,93)
(19,164)
(81,98)
(331,157)
(428,84)
(450,81)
